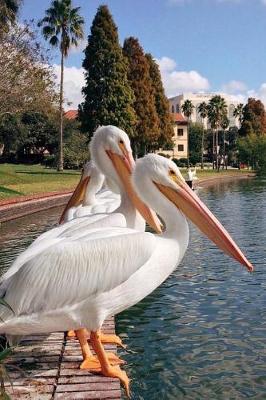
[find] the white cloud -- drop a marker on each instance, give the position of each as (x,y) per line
(258,94)
(166,64)
(234,87)
(175,81)
(73,82)
(81,46)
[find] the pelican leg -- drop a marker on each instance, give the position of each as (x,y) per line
(111,339)
(106,368)
(89,360)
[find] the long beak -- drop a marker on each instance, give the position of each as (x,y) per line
(77,196)
(189,203)
(124,166)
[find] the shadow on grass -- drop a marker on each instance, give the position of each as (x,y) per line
(9,191)
(48,173)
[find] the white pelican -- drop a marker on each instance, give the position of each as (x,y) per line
(111,148)
(81,283)
(88,198)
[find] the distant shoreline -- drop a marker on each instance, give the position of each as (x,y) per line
(19,207)
(213,180)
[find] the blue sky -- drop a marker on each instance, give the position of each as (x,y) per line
(200,45)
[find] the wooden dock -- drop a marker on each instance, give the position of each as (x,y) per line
(46,367)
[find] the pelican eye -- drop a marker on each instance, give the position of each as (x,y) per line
(121,141)
(172,172)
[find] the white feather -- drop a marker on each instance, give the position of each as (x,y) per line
(78,283)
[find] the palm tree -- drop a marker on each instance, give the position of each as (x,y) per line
(187,109)
(217,109)
(238,112)
(203,112)
(224,125)
(63,27)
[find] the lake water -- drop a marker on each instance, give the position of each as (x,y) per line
(202,334)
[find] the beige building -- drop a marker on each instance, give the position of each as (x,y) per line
(180,138)
(197,98)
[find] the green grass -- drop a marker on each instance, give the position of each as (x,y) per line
(210,173)
(21,180)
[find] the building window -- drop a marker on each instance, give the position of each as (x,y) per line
(180,132)
(177,108)
(180,147)
(173,109)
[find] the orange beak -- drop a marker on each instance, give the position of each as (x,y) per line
(189,203)
(77,196)
(124,166)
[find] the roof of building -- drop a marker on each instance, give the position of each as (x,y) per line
(177,117)
(71,114)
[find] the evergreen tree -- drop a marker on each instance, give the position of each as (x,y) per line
(107,93)
(166,131)
(147,125)
(254,118)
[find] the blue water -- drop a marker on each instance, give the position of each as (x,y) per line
(202,334)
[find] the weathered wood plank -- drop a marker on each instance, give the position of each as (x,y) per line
(87,386)
(49,369)
(102,395)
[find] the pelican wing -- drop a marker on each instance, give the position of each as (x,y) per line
(107,202)
(73,270)
(74,229)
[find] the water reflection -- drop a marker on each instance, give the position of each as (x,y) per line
(17,235)
(201,335)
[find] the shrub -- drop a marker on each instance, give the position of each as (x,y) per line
(182,162)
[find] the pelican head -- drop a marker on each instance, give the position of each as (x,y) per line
(111,151)
(90,183)
(164,177)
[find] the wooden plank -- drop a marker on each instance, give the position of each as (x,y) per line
(102,395)
(87,386)
(48,368)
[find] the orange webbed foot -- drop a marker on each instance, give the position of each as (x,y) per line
(112,339)
(91,363)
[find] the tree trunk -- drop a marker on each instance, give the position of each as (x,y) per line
(216,145)
(213,147)
(188,144)
(60,158)
(202,143)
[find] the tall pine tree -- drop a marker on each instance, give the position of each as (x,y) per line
(108,97)
(165,139)
(147,126)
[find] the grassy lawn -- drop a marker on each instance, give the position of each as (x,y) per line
(210,173)
(20,180)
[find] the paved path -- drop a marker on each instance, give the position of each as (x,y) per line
(46,367)
(13,210)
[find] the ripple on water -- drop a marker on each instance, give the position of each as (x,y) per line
(201,335)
